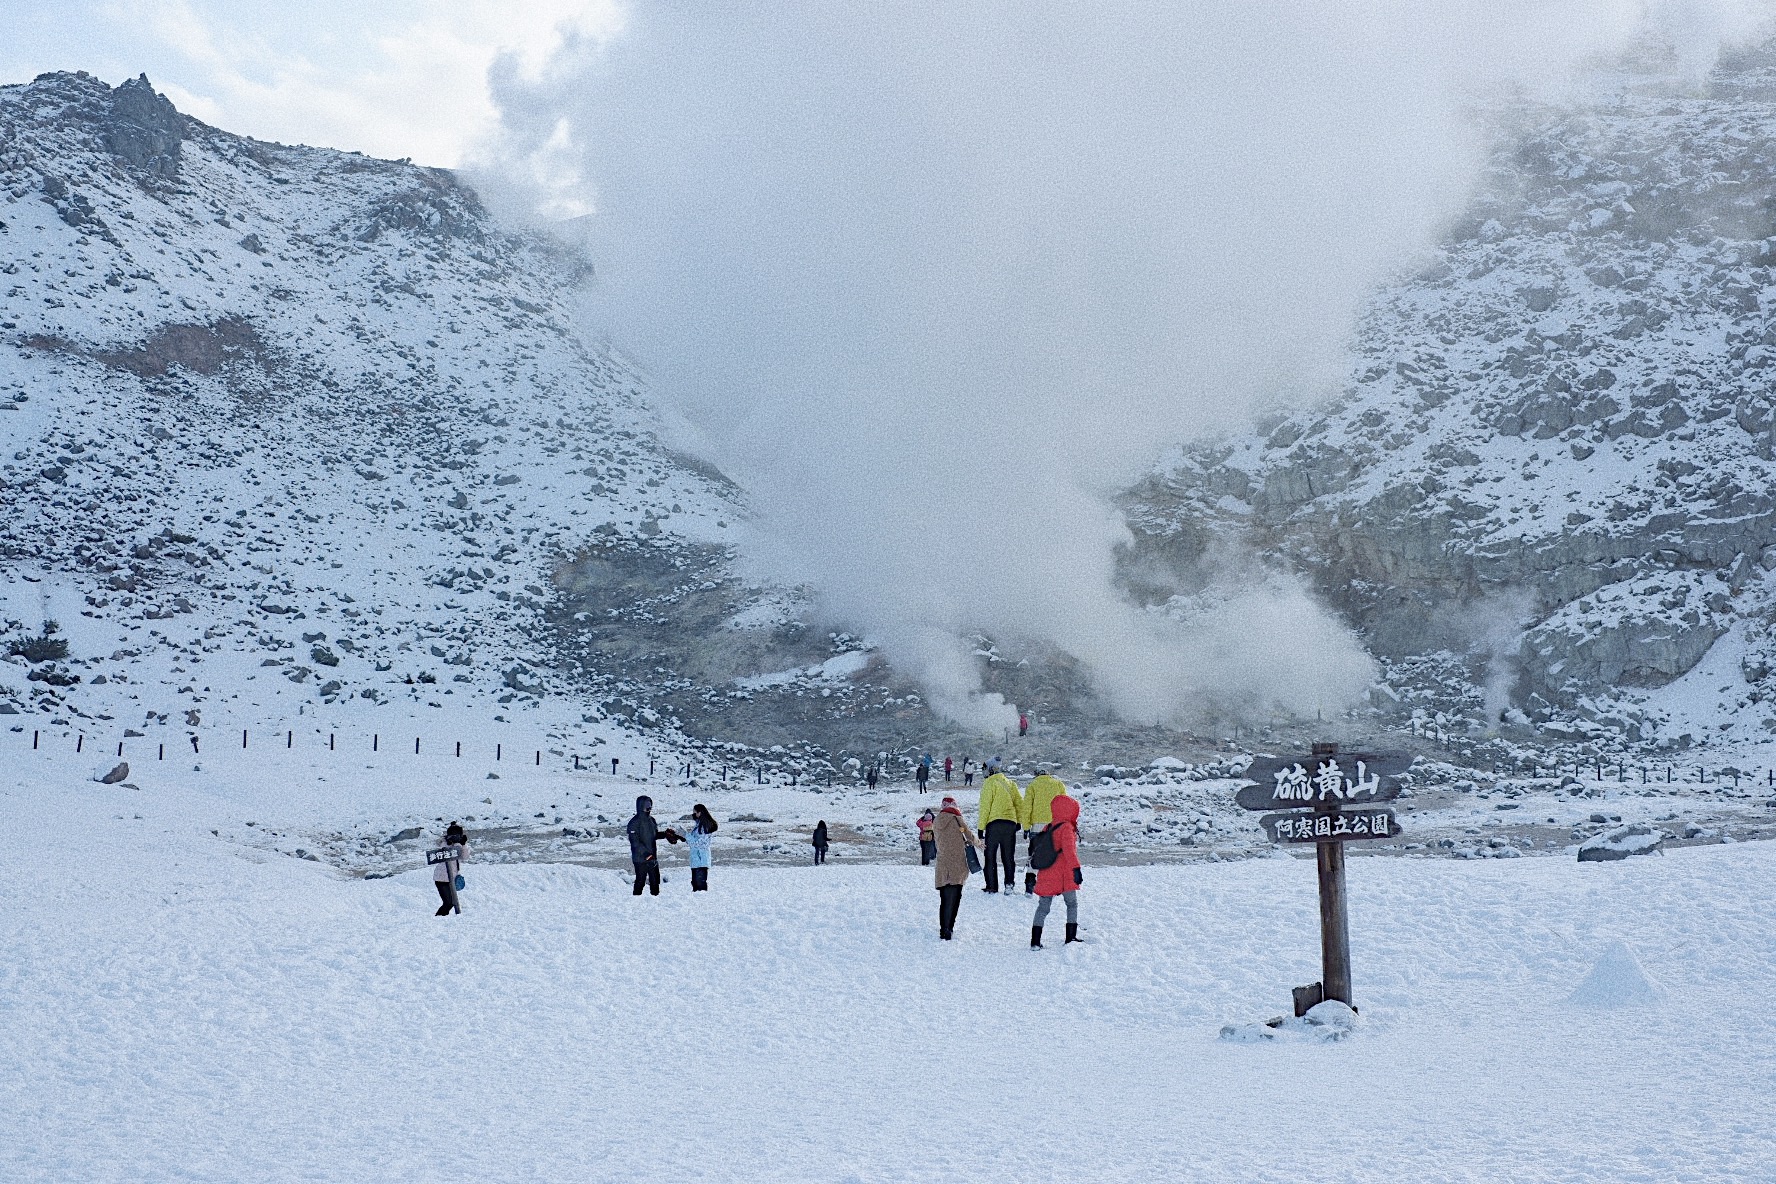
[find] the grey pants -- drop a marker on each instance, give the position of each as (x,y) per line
(1044,903)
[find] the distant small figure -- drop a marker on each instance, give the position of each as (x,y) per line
(819,842)
(613,766)
(922,774)
(644,837)
(703,826)
(967,771)
(871,777)
(445,873)
(1023,724)
(927,842)
(948,765)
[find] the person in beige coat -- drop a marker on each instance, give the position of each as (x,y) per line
(953,838)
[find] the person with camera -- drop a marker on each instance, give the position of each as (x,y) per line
(644,842)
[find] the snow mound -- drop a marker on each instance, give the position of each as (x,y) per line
(1616,981)
(1324,1022)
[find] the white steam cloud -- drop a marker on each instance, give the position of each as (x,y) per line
(932,280)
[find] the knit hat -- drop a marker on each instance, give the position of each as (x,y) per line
(950,805)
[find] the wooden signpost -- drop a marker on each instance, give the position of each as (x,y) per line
(1329,799)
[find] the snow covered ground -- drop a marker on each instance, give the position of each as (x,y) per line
(176,1004)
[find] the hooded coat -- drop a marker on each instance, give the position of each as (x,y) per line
(644,832)
(952,835)
(1057,878)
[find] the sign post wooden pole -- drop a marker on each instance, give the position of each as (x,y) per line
(1335,947)
(1335,950)
(1327,800)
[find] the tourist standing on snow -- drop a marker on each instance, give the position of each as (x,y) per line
(967,771)
(444,874)
(644,837)
(1023,724)
(927,844)
(948,765)
(923,774)
(1037,796)
(1063,877)
(1000,818)
(702,826)
(953,839)
(871,778)
(819,841)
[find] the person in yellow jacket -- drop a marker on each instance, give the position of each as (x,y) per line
(1039,797)
(1000,818)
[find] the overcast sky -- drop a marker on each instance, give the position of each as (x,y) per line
(392,78)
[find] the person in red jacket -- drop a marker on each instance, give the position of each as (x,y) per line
(1063,877)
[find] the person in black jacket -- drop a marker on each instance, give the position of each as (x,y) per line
(820,842)
(644,837)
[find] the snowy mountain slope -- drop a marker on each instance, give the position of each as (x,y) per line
(286,427)
(1553,464)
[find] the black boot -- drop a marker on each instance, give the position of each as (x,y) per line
(1035,937)
(1072,931)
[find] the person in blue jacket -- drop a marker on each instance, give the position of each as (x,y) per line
(644,837)
(702,826)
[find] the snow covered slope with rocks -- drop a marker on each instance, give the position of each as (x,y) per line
(285,428)
(1546,495)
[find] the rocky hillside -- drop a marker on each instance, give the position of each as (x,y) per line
(1545,498)
(289,429)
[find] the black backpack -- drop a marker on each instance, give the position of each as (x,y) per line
(1043,850)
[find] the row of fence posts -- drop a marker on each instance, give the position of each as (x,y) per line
(376,746)
(795,778)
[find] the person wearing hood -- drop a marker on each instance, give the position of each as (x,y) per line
(444,874)
(927,845)
(1044,789)
(644,840)
(819,841)
(1063,877)
(702,827)
(950,833)
(1000,818)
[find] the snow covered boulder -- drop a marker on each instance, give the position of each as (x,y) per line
(1334,1016)
(1615,981)
(1620,844)
(118,773)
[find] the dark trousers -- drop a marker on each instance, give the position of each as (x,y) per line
(967,779)
(949,902)
(447,894)
(1001,838)
(648,873)
(699,879)
(927,851)
(819,856)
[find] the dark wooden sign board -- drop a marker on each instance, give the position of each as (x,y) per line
(1293,783)
(1329,800)
(444,855)
(1330,826)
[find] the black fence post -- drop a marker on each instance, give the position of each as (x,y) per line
(120,748)
(79,741)
(163,753)
(375,741)
(496,751)
(539,758)
(459,748)
(329,741)
(243,737)
(194,744)
(33,740)
(290,739)
(576,762)
(416,746)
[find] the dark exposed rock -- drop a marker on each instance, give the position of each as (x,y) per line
(144,130)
